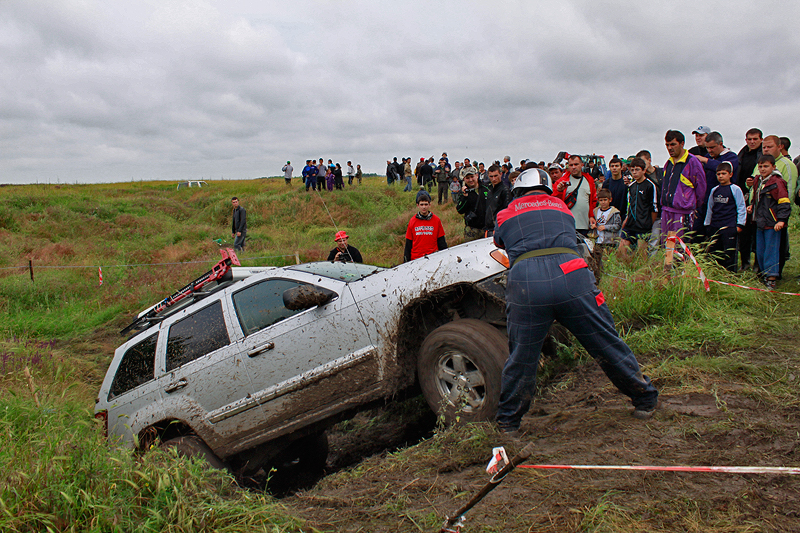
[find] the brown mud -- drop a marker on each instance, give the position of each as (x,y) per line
(582,421)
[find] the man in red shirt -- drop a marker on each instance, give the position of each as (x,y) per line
(425,233)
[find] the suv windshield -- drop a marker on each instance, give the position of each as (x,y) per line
(344,271)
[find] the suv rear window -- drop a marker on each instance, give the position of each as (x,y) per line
(261,305)
(136,368)
(196,335)
(342,271)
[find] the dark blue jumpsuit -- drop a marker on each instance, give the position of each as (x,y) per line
(557,286)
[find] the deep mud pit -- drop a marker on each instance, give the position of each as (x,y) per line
(377,431)
(585,421)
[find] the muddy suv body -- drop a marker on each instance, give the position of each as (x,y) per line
(253,367)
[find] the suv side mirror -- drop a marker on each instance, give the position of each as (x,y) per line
(306,297)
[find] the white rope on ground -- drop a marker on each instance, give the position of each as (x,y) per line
(140,264)
(335,226)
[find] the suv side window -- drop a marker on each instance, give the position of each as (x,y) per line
(261,305)
(196,335)
(136,368)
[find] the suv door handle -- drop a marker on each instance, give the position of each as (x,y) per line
(261,349)
(176,385)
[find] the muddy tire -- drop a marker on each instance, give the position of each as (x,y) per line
(459,369)
(193,446)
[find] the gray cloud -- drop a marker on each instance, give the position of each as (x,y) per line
(105,91)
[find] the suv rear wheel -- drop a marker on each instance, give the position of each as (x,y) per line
(459,367)
(193,446)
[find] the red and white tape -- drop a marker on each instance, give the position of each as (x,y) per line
(702,276)
(785,470)
(686,249)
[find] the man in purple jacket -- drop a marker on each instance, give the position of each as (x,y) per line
(683,190)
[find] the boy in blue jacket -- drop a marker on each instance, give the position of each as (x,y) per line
(725,217)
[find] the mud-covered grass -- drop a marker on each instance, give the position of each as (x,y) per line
(726,362)
(727,365)
(582,420)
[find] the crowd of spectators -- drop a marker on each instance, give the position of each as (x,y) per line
(321,176)
(707,194)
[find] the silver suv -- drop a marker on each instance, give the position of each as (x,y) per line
(267,358)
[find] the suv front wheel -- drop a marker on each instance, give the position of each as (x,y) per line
(459,367)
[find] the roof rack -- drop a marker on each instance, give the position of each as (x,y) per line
(220,272)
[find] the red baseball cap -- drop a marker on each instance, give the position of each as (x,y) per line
(340,235)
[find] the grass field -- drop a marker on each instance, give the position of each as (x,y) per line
(58,474)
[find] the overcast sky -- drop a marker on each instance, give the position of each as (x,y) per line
(104,91)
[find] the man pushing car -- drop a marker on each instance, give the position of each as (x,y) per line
(547,281)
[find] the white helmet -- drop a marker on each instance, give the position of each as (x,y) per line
(533,179)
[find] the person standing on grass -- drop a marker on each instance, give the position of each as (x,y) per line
(548,280)
(609,221)
(351,173)
(771,145)
(456,172)
(239,226)
(472,204)
(312,176)
(642,208)
(455,188)
(425,233)
(330,178)
(656,176)
(771,208)
(498,199)
(425,176)
(338,179)
(716,153)
(306,172)
(725,216)
(577,190)
(416,171)
(390,172)
(617,185)
(407,174)
(682,191)
(322,173)
(700,141)
(748,162)
(359,174)
(555,171)
(287,172)
(442,177)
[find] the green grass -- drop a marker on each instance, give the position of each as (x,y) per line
(58,472)
(116,226)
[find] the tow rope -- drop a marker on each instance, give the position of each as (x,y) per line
(457,518)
